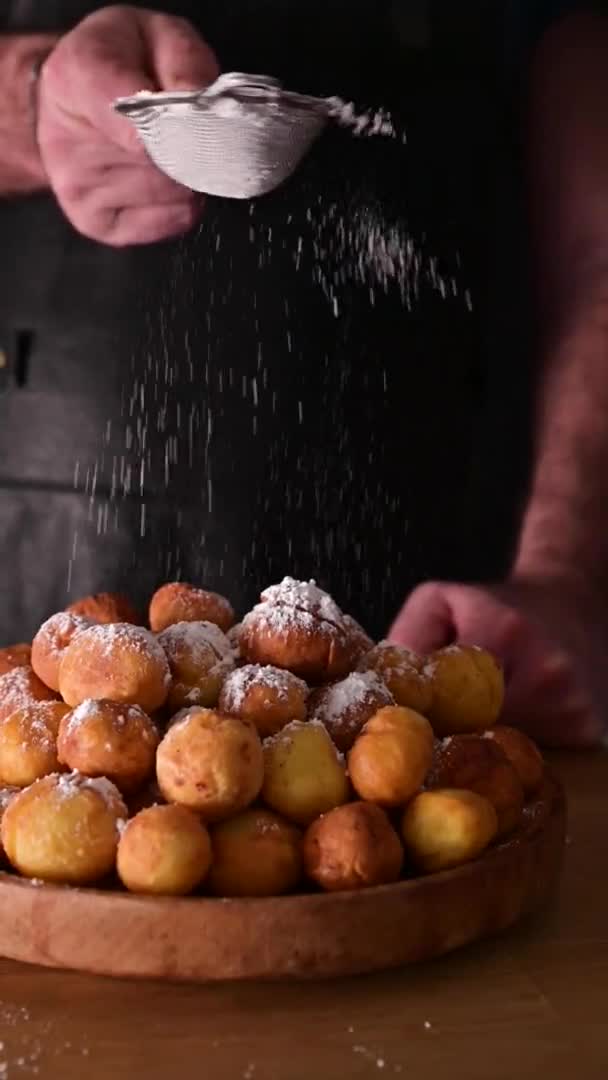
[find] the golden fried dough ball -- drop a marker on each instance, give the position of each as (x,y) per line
(178,602)
(346,706)
(118,662)
(268,696)
(299,627)
(21,686)
(468,690)
(304,774)
(64,829)
(28,742)
(352,847)
(50,643)
(362,642)
(105,738)
(7,794)
(14,656)
(403,673)
(210,763)
(523,754)
(164,851)
(106,608)
(447,827)
(200,657)
(391,758)
(475,763)
(255,854)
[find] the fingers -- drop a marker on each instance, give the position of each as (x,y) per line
(546,692)
(132,223)
(94,173)
(148,224)
(98,62)
(117,52)
(95,161)
(425,622)
(178,56)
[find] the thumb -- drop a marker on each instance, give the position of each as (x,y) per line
(179,58)
(425,622)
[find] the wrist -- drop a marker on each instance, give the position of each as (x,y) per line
(550,552)
(21,57)
(35,60)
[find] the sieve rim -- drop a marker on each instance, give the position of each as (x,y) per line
(247,89)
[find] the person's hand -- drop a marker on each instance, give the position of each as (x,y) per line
(95,163)
(551,636)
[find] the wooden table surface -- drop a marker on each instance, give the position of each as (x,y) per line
(534,1003)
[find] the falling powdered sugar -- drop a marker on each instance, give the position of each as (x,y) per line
(370,123)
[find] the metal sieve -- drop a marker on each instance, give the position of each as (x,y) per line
(241,137)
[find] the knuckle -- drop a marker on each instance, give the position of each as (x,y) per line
(429,590)
(179,27)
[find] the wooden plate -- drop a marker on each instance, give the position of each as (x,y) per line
(296,936)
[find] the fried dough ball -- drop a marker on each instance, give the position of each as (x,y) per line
(299,627)
(523,754)
(475,763)
(164,851)
(64,829)
(7,794)
(118,662)
(14,656)
(345,707)
(403,672)
(20,687)
(106,608)
(362,642)
(468,690)
(352,847)
(28,742)
(392,756)
(234,638)
(200,657)
(304,774)
(210,763)
(255,854)
(445,828)
(178,602)
(268,696)
(105,738)
(50,644)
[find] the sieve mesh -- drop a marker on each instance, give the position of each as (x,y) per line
(240,138)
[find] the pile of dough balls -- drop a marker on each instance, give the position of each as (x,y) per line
(284,752)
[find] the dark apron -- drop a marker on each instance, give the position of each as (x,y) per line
(197,410)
